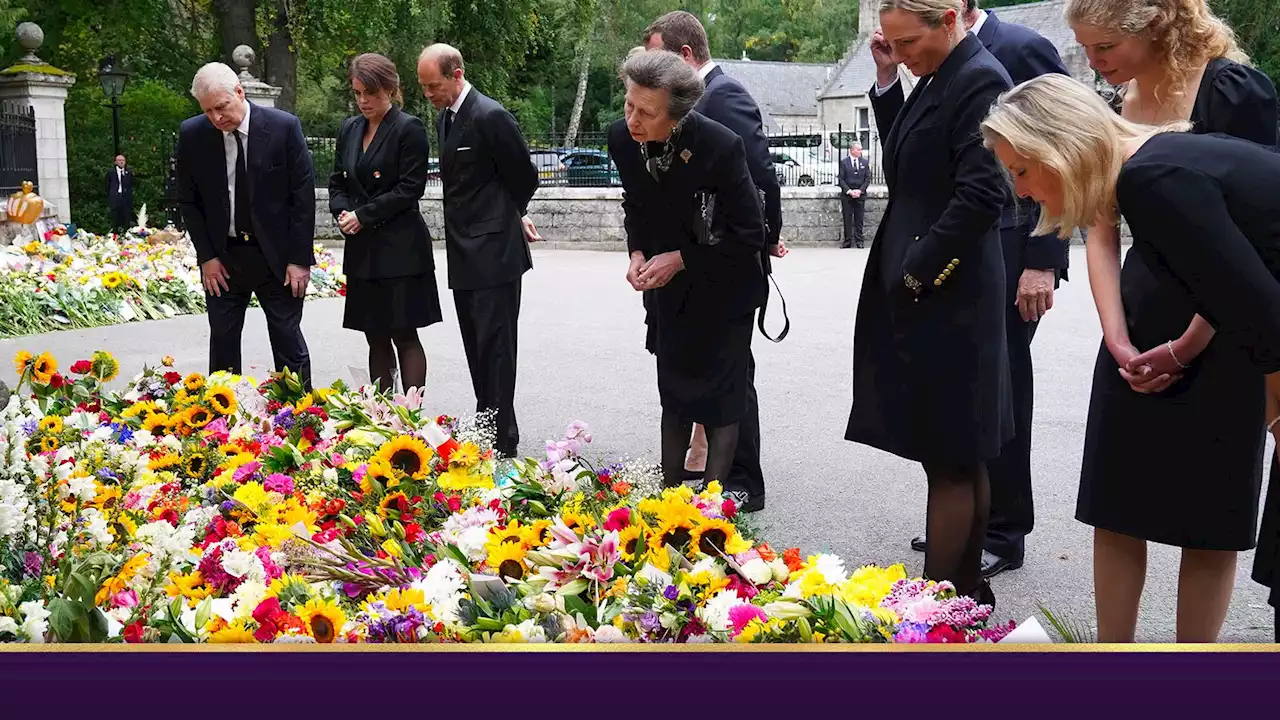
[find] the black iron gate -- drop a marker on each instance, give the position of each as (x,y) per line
(169,199)
(17,147)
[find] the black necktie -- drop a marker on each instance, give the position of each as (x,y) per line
(448,122)
(244,221)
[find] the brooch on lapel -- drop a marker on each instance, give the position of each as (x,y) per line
(376,174)
(685,155)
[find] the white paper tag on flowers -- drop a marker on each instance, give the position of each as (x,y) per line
(1029,632)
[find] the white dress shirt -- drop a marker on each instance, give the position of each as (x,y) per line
(706,69)
(462,96)
(229,147)
(119,180)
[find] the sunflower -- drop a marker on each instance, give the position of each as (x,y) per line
(676,533)
(22,360)
(460,478)
(407,454)
(222,399)
(233,634)
(104,366)
(113,280)
(193,382)
(717,537)
(390,500)
(142,408)
(513,534)
(156,423)
(43,369)
(51,424)
(380,470)
(539,532)
(629,540)
(197,416)
(168,461)
(323,619)
(507,560)
(196,465)
(576,521)
(49,443)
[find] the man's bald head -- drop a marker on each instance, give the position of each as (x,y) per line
(440,73)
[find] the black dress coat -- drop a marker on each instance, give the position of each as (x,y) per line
(931,371)
(703,316)
(383,186)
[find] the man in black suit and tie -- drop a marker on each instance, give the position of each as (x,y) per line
(727,102)
(247,191)
(120,195)
(854,178)
(488,181)
(1033,266)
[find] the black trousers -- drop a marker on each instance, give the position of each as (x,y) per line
(746,473)
(853,210)
(121,216)
(250,276)
(488,319)
(1012,507)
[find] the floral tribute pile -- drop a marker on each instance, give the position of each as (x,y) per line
(61,282)
(193,509)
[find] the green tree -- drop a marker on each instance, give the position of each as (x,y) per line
(1257,27)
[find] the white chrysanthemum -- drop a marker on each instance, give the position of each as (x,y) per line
(248,596)
(443,588)
(831,568)
(243,564)
(82,488)
(715,614)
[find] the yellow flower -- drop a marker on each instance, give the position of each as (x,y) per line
(289,585)
(868,585)
(253,496)
(407,454)
(398,601)
(513,534)
(139,409)
(165,462)
(380,470)
(197,416)
(323,619)
(392,548)
(272,535)
(629,540)
(196,466)
(193,382)
(460,478)
(49,443)
(717,537)
(677,533)
(113,280)
(307,401)
(167,361)
(104,366)
(156,423)
(43,369)
(236,633)
(222,399)
(21,360)
(466,455)
(578,522)
(507,560)
(51,423)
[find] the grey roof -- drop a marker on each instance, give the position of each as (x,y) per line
(781,88)
(857,71)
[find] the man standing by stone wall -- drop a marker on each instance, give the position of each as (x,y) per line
(120,195)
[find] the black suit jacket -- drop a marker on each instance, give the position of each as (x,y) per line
(727,102)
(282,190)
(1025,54)
(720,280)
(931,374)
(854,178)
(488,182)
(115,199)
(382,186)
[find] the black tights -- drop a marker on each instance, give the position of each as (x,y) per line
(956,525)
(412,370)
(722,443)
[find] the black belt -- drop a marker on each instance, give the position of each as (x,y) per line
(242,240)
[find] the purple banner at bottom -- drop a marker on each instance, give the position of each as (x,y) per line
(656,684)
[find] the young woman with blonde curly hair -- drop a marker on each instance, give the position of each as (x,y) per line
(1175,432)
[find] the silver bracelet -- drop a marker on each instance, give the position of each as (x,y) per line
(1169,344)
(1273,423)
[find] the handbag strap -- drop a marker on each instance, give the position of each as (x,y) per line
(764,308)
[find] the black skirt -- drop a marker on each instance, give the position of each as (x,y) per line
(392,304)
(1182,467)
(703,367)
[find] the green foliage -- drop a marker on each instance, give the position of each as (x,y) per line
(1071,631)
(150,111)
(1257,27)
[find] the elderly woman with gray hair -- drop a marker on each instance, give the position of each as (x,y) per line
(695,230)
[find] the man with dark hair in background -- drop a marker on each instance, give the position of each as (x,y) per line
(727,102)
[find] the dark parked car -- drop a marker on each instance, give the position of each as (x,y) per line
(590,168)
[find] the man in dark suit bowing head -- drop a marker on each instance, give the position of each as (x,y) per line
(488,181)
(1033,267)
(727,102)
(248,197)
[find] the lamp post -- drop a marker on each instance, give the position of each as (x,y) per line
(113,81)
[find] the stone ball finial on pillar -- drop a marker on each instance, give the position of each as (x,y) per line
(243,56)
(30,37)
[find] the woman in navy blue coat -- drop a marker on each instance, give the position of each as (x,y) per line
(930,369)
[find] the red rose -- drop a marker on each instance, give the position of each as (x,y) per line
(267,610)
(81,367)
(56,381)
(455,504)
(170,516)
(729,509)
(414,533)
(172,378)
(335,506)
(133,633)
(438,497)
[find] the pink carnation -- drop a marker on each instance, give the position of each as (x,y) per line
(742,615)
(618,519)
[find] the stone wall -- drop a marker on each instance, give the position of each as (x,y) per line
(591,218)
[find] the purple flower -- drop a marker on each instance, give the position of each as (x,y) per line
(650,621)
(246,472)
(228,506)
(106,474)
(912,633)
(671,593)
(29,427)
(32,563)
(284,418)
